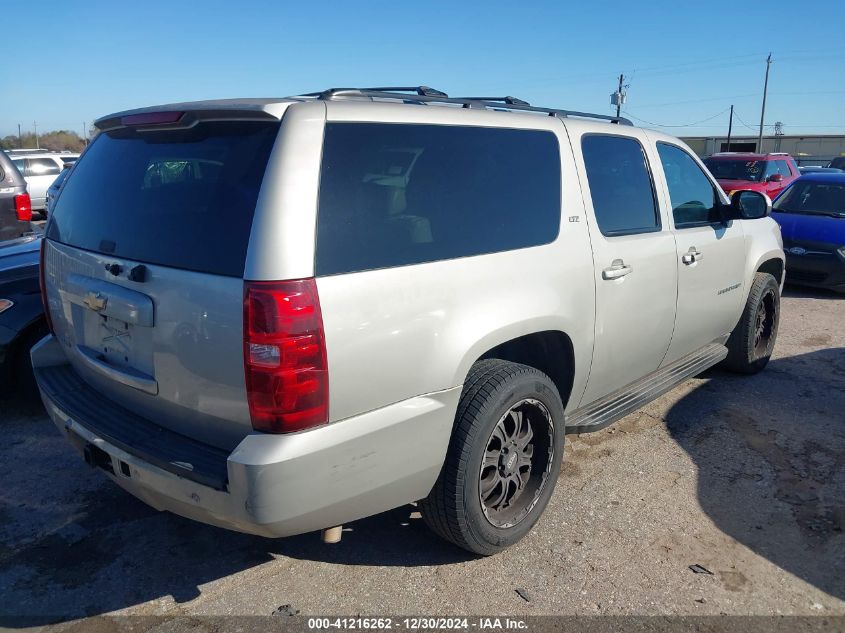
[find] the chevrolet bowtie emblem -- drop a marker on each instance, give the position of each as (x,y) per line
(95,301)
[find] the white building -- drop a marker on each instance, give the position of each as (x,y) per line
(809,149)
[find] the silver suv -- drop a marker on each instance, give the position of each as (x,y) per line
(40,169)
(277,316)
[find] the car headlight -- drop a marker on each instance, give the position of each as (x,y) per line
(5,304)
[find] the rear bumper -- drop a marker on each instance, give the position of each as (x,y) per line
(274,485)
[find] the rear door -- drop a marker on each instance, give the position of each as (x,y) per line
(145,262)
(634,260)
(710,258)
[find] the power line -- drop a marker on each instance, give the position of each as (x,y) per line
(676,125)
(739,118)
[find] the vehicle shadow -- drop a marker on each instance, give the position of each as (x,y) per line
(805,292)
(770,453)
(73,544)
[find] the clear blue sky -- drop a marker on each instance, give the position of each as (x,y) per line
(685,61)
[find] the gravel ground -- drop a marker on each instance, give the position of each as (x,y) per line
(744,476)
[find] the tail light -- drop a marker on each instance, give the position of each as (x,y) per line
(151,118)
(287,379)
(42,283)
(23,207)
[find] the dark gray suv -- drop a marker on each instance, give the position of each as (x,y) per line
(15,205)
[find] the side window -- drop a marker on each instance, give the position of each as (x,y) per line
(694,200)
(401,194)
(620,185)
(20,163)
(43,167)
(783,168)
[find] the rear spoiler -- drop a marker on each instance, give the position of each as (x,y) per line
(187,115)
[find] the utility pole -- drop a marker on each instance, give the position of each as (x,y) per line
(84,132)
(763,109)
(730,127)
(35,125)
(20,138)
(778,134)
(619,96)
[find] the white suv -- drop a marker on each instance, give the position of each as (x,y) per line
(281,315)
(40,170)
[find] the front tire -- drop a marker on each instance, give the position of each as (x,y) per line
(752,342)
(503,459)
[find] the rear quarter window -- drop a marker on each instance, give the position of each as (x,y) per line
(177,198)
(397,194)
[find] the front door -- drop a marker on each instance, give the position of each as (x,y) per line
(634,261)
(710,256)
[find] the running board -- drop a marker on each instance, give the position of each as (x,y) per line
(607,410)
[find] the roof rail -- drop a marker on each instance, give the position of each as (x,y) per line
(425,95)
(421,91)
(507,100)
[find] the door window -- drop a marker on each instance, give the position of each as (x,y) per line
(693,197)
(620,185)
(783,168)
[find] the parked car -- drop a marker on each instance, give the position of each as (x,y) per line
(811,213)
(25,150)
(53,189)
(40,170)
(22,321)
(15,204)
(816,169)
(838,163)
(766,173)
(373,297)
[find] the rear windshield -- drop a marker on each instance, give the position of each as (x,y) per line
(178,198)
(396,194)
(751,170)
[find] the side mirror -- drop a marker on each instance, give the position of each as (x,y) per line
(775,178)
(750,205)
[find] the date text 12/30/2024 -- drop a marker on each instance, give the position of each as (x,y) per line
(415,624)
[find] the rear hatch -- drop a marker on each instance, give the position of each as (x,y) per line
(144,265)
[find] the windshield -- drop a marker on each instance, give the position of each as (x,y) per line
(736,169)
(814,198)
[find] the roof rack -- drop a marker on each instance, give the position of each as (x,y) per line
(506,100)
(425,95)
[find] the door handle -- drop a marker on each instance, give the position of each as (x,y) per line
(692,256)
(617,269)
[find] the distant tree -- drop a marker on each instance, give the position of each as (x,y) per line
(58,141)
(62,140)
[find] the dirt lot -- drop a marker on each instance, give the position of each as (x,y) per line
(743,476)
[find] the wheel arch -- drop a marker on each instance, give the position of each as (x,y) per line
(551,351)
(775,266)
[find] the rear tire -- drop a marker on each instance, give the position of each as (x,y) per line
(503,459)
(753,340)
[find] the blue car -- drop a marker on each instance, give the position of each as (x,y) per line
(811,213)
(22,320)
